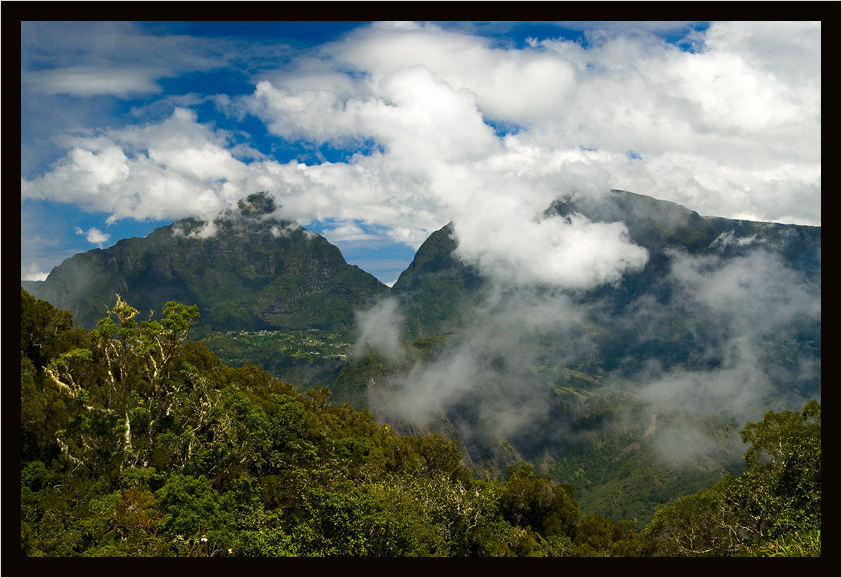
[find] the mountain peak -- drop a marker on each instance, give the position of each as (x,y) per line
(257,204)
(246,269)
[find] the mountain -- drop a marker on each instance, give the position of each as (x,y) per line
(631,391)
(709,250)
(30,286)
(246,270)
(441,294)
(663,227)
(437,289)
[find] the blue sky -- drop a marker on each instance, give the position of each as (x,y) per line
(377,134)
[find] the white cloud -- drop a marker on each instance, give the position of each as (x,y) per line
(173,169)
(733,129)
(348,232)
(93,235)
(379,329)
(33,273)
(91,80)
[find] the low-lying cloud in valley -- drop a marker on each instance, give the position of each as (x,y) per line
(740,323)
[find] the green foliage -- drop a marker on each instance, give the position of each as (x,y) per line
(798,545)
(150,446)
(773,507)
(45,332)
(533,501)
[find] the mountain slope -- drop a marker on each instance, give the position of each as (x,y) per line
(246,270)
(437,289)
(631,391)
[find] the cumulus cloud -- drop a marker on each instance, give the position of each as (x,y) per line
(93,235)
(567,252)
(442,125)
(173,169)
(74,76)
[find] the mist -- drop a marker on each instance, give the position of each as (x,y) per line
(739,322)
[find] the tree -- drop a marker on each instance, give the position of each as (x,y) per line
(597,535)
(780,495)
(45,332)
(531,500)
(777,501)
(126,377)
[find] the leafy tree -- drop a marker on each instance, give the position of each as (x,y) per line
(531,500)
(782,489)
(776,502)
(45,332)
(124,379)
(597,535)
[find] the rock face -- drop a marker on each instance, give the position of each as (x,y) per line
(246,270)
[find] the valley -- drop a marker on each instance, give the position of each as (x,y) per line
(458,289)
(633,391)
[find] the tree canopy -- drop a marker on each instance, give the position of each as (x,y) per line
(137,442)
(772,509)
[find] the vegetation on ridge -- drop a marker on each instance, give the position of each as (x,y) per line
(136,442)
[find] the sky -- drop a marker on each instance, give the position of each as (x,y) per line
(376,134)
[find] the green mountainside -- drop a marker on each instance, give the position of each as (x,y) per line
(437,289)
(246,270)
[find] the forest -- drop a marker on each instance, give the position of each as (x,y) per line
(136,441)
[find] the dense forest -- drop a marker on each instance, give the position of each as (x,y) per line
(137,442)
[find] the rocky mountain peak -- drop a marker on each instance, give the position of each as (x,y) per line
(257,204)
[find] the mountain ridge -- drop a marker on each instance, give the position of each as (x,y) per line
(720,325)
(251,271)
(572,399)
